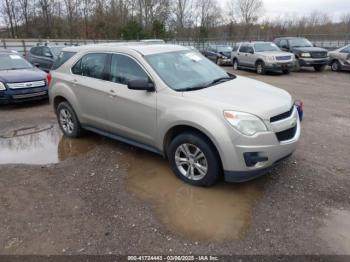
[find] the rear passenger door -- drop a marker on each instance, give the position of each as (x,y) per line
(131,112)
(89,85)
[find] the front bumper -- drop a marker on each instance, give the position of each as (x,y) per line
(313,61)
(280,66)
(225,61)
(268,148)
(10,96)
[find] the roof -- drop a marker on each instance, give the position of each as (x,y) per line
(138,47)
(290,37)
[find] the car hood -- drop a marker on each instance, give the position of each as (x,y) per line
(245,95)
(309,49)
(274,53)
(22,75)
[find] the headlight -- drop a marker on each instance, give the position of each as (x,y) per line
(2,86)
(223,57)
(305,55)
(270,59)
(245,123)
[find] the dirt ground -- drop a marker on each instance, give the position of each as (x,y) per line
(98,196)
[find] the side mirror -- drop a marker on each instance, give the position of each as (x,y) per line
(141,84)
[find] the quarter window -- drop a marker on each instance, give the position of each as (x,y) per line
(91,65)
(124,69)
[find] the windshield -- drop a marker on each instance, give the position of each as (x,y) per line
(185,70)
(224,49)
(56,50)
(13,62)
(300,42)
(265,47)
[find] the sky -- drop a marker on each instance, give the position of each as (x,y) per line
(334,8)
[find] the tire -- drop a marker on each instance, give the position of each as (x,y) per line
(235,64)
(260,68)
(189,167)
(335,66)
(297,66)
(319,68)
(286,71)
(68,120)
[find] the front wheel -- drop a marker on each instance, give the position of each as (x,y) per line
(235,64)
(260,68)
(194,159)
(335,66)
(319,68)
(68,120)
(286,71)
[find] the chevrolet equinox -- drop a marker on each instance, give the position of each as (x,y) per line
(173,101)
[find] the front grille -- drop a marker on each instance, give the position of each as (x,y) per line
(26,84)
(29,95)
(282,116)
(283,58)
(318,54)
(286,134)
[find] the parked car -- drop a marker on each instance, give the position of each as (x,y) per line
(340,59)
(43,56)
(220,54)
(19,80)
(305,53)
(175,102)
(262,57)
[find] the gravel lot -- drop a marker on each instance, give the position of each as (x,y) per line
(98,196)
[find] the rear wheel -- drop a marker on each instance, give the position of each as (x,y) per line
(194,159)
(319,68)
(335,66)
(68,120)
(260,68)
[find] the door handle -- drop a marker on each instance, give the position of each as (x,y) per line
(112,93)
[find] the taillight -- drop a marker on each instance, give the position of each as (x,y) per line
(48,79)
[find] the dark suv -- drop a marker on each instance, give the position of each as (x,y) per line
(43,56)
(305,53)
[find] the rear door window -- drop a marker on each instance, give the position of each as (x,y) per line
(91,65)
(62,58)
(124,69)
(243,49)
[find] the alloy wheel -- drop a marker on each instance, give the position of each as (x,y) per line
(66,120)
(191,161)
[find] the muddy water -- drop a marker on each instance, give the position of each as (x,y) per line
(218,213)
(336,231)
(40,145)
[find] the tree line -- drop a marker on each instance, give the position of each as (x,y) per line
(138,19)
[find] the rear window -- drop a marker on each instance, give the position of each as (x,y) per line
(62,58)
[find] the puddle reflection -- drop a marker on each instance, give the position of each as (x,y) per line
(40,145)
(217,213)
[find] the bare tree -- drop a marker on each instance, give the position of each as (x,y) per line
(7,9)
(248,10)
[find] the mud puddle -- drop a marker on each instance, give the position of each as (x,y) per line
(336,231)
(218,213)
(40,145)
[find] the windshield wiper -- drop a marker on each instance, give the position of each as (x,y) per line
(220,79)
(215,81)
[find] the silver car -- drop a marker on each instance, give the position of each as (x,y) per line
(262,57)
(172,101)
(340,59)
